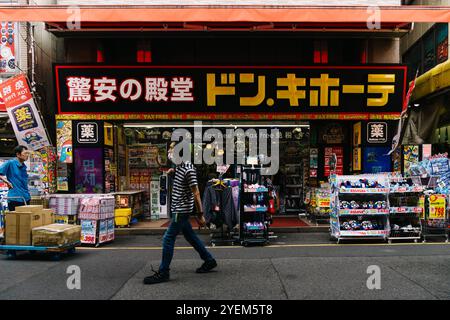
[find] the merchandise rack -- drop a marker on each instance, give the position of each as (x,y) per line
(250,176)
(405,209)
(365,222)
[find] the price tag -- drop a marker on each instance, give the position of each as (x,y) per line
(437,206)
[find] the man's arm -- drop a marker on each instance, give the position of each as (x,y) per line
(197,199)
(3,170)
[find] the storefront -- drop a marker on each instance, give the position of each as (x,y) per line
(114,124)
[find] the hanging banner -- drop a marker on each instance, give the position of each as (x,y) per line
(22,111)
(64,140)
(437,206)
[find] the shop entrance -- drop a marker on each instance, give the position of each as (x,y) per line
(142,160)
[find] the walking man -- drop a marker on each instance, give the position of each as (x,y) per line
(185,194)
(14,173)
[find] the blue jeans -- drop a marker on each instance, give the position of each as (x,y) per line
(182,224)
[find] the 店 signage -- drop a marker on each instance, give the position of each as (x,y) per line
(210,90)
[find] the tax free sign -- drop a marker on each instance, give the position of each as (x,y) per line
(349,92)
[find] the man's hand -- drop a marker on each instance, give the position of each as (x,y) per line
(201,220)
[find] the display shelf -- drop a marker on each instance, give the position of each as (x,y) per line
(260,189)
(405,210)
(364,190)
(406,190)
(364,222)
(352,212)
(368,233)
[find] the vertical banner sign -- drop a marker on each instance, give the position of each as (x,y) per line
(339,152)
(437,206)
(109,134)
(25,119)
(313,162)
(8,47)
(89,170)
(64,141)
(356,159)
(357,134)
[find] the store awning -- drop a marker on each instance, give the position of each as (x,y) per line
(223,14)
(432,81)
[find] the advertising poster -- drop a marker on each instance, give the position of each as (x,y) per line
(103,231)
(89,231)
(8,47)
(64,140)
(376,160)
(397,160)
(313,158)
(356,159)
(109,134)
(110,229)
(426,151)
(339,152)
(89,173)
(62,181)
(357,136)
(22,112)
(410,156)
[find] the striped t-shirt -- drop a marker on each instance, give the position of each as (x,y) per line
(182,201)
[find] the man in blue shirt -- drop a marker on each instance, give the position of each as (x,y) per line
(14,173)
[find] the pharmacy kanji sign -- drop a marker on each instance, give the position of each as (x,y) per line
(377,132)
(22,112)
(202,90)
(87,132)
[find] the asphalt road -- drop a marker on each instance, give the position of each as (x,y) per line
(295,266)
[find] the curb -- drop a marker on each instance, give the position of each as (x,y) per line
(160,231)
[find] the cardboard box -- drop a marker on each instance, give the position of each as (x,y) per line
(35,208)
(19,225)
(47,217)
(56,235)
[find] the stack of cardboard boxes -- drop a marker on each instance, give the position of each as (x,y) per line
(20,224)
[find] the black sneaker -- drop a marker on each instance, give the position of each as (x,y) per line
(207,266)
(158,277)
